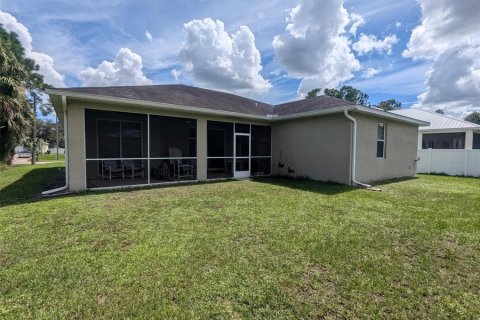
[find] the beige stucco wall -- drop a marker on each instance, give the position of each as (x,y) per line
(76,148)
(401,149)
(76,136)
(317,148)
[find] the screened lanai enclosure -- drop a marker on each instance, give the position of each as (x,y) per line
(237,150)
(124,149)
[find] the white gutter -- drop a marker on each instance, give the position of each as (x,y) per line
(390,115)
(354,152)
(65,135)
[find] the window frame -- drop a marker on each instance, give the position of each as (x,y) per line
(384,140)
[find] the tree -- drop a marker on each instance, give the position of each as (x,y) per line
(439,111)
(47,131)
(390,104)
(18,75)
(473,117)
(314,93)
(15,113)
(349,93)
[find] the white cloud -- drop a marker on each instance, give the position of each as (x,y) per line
(221,61)
(316,46)
(149,36)
(357,22)
(398,24)
(371,72)
(45,62)
(449,35)
(126,69)
(454,82)
(176,74)
(444,24)
(368,43)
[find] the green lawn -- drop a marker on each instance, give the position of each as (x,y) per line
(242,249)
(51,157)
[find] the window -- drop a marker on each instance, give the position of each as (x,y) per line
(449,140)
(476,140)
(381,134)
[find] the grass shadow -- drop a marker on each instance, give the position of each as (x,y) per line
(31,184)
(305,184)
(29,187)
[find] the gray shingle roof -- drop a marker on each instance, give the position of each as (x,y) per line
(311,104)
(183,95)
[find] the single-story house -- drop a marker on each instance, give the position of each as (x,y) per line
(143,135)
(443,132)
(42,147)
(448,145)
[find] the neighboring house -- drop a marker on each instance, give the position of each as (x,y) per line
(444,132)
(447,145)
(42,147)
(123,136)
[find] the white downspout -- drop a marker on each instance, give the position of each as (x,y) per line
(354,151)
(65,135)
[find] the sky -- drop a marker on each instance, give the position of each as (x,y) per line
(425,53)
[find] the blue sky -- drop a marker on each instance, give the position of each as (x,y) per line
(160,36)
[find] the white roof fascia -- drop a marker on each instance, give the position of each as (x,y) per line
(389,115)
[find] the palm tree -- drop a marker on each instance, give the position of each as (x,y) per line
(15,113)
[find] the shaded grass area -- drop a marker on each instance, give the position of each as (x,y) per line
(24,182)
(270,248)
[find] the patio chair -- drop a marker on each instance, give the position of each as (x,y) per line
(112,169)
(181,167)
(134,168)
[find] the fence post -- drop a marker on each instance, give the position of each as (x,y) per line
(429,159)
(467,158)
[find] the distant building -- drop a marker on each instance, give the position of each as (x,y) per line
(42,147)
(444,132)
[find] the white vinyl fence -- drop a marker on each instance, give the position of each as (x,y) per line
(454,162)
